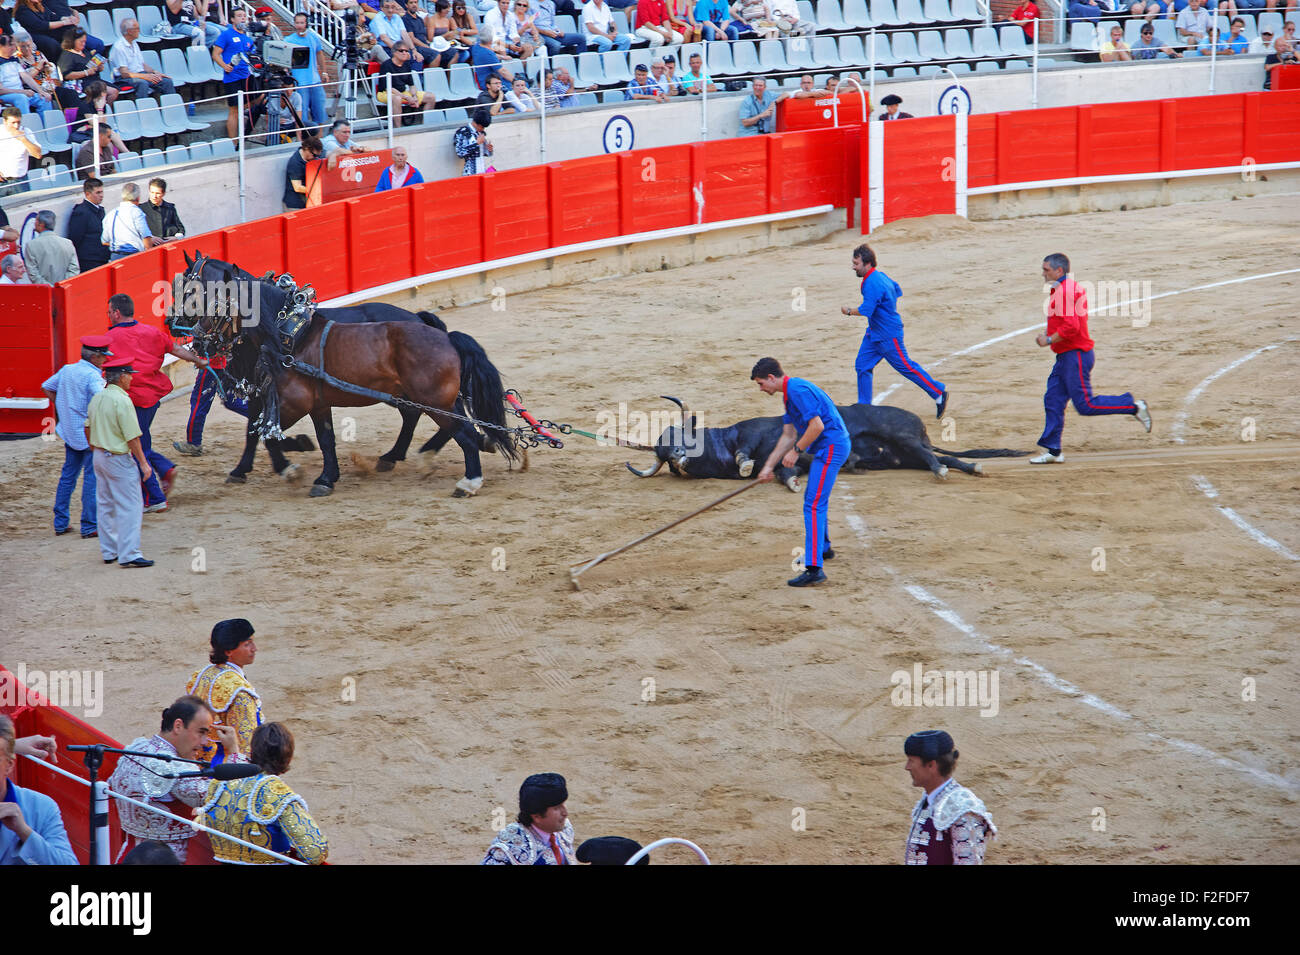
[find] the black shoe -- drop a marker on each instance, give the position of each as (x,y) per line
(60,533)
(110,560)
(943,405)
(86,537)
(138,562)
(828,554)
(813,575)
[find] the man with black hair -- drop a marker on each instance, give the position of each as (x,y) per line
(224,687)
(542,833)
(812,424)
(950,825)
(86,226)
(471,142)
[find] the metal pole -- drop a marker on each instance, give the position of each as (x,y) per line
(99,825)
(704,91)
(243,214)
(871,77)
(541,87)
(94,132)
(1214,47)
(388,82)
(1033,98)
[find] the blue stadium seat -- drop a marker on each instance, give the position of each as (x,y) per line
(640,56)
(1013,41)
(771,56)
(589,70)
(718,61)
(826,53)
(745,55)
(798,53)
(939,11)
(909,11)
(177,154)
(201,152)
(587,99)
(128,161)
(957,42)
(461,80)
(150,114)
(986,66)
(149,18)
(1024,64)
(929,43)
(967,11)
(959,67)
(901,72)
(806,10)
(984,41)
(152,158)
(435,81)
(883,14)
(614,64)
(1271,20)
(621,22)
(1167,35)
(177,67)
(857,17)
(1083,36)
(55,128)
(223,148)
(202,69)
(565,23)
(829,16)
(174,118)
(100,24)
(126,120)
(904,47)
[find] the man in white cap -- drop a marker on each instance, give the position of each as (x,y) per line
(950,825)
(542,833)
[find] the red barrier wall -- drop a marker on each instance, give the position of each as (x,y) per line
(919,167)
(26,349)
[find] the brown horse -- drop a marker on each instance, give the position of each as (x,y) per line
(407,359)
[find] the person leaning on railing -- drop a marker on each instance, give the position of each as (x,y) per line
(262,809)
(31,828)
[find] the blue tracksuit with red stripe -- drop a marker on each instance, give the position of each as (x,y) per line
(1071,377)
(205,389)
(884,338)
(803,402)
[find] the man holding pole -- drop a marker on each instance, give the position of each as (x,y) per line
(812,424)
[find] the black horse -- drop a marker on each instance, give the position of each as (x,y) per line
(280,394)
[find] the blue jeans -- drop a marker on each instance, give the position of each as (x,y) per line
(565,43)
(153,492)
(825,468)
(315,114)
(76,462)
(603,44)
(161,88)
(1085,12)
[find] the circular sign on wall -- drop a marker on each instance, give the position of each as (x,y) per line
(955,99)
(619,134)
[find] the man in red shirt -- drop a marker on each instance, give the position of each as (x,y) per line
(653,23)
(1025,16)
(146,346)
(1071,378)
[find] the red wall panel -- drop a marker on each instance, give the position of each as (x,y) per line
(584,199)
(1208,133)
(807,169)
(655,188)
(734,177)
(516,212)
(1037,144)
(450,215)
(1119,138)
(26,352)
(379,236)
(981,150)
(257,246)
(317,244)
(1277,138)
(920,167)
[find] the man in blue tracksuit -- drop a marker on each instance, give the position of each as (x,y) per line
(205,389)
(812,424)
(884,338)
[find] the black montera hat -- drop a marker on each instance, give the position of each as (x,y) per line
(541,791)
(610,850)
(228,634)
(928,744)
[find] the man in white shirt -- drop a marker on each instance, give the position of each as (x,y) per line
(127,63)
(598,25)
(339,142)
(786,15)
(126,231)
(16,147)
(388,27)
(15,272)
(505,30)
(1193,23)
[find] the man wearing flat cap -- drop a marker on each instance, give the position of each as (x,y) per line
(113,432)
(891,104)
(950,825)
(542,833)
(70,390)
(222,685)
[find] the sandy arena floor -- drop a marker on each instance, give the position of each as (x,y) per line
(1120,692)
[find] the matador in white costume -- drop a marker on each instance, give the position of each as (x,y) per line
(950,825)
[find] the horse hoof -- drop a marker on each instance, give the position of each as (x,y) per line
(292,473)
(321,490)
(305,443)
(467,487)
(978,470)
(941,474)
(383,464)
(236,479)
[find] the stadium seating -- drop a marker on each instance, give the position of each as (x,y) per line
(771,56)
(150,115)
(798,53)
(126,120)
(177,154)
(904,71)
(856,15)
(829,16)
(883,14)
(826,53)
(614,65)
(202,69)
(222,148)
(904,47)
(177,67)
(958,45)
(929,44)
(909,11)
(149,18)
(590,72)
(938,11)
(718,60)
(745,55)
(461,80)
(1013,41)
(128,161)
(1083,37)
(200,152)
(56,131)
(985,42)
(153,158)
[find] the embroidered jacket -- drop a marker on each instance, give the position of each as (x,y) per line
(519,845)
(949,827)
(225,688)
(262,810)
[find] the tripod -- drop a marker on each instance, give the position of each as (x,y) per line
(349,78)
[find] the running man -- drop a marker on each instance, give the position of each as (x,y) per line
(812,424)
(884,337)
(1071,377)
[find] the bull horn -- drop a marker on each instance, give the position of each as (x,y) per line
(687,414)
(648,472)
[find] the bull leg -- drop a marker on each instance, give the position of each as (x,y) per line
(324,485)
(410,417)
(927,456)
(963,466)
(745,463)
(787,476)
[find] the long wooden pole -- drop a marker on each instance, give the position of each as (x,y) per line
(577,570)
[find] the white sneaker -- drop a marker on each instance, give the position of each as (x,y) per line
(1143,415)
(1048,458)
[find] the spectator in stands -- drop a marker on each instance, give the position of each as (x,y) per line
(340,142)
(714,18)
(542,833)
(284,107)
(754,18)
(96,104)
(555,39)
(485,62)
(230,52)
(642,87)
(400,173)
(62,8)
(13,271)
(127,63)
(86,226)
(1086,11)
(313,74)
(892,102)
(471,142)
(522,98)
(507,39)
(388,27)
(417,34)
(17,146)
(46,74)
(807,88)
(80,67)
(50,257)
(1238,45)
(17,87)
(1283,54)
(1026,16)
(674,81)
(1192,24)
(598,22)
(31,828)
(126,231)
(1115,49)
(560,90)
(295,174)
(84,165)
(1263,43)
(46,27)
(407,97)
(758,109)
(659,77)
(164,221)
(524,20)
(465,27)
(191,18)
(262,809)
(1148,47)
(1213,42)
(696,80)
(69,390)
(788,21)
(681,17)
(653,24)
(494,97)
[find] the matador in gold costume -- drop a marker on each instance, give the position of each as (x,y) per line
(223,686)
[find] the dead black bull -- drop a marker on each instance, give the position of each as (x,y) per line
(883,438)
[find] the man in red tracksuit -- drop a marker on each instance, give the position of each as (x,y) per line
(1071,378)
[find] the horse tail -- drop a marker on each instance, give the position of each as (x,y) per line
(480,382)
(983,453)
(432,320)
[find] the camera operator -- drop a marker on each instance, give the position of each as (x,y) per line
(262,28)
(283,106)
(233,52)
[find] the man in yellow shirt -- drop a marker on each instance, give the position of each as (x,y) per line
(113,431)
